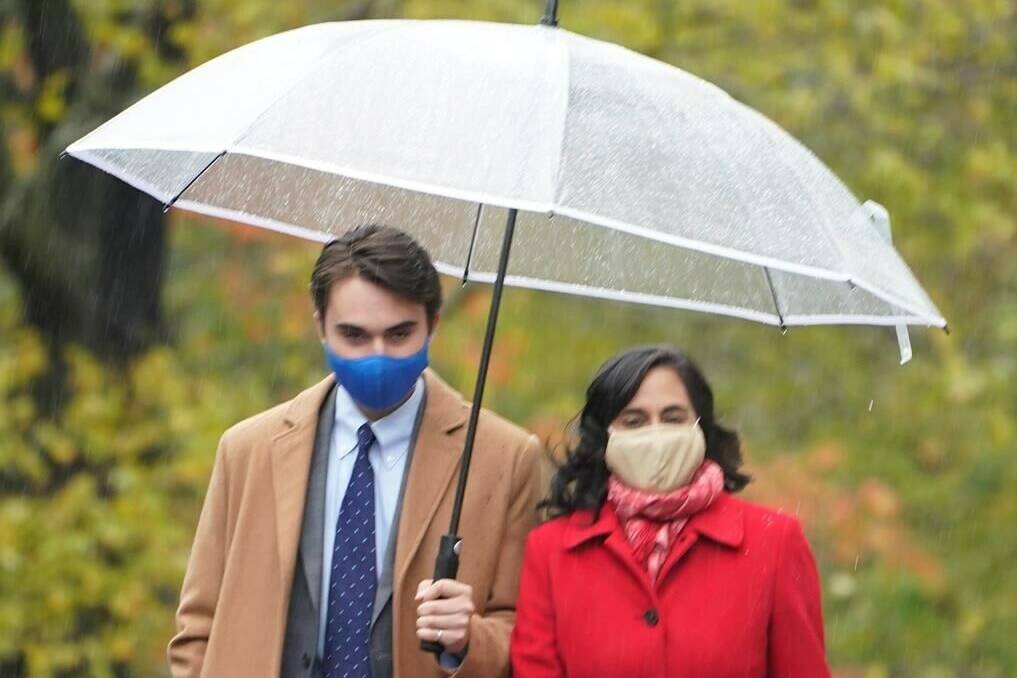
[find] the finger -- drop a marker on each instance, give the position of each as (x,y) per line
(446,588)
(445,622)
(458,605)
(448,638)
(423,586)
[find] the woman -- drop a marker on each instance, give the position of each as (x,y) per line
(652,567)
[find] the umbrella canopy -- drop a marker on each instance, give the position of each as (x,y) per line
(634,180)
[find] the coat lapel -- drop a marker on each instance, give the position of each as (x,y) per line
(608,529)
(435,460)
(314,505)
(721,522)
(292,451)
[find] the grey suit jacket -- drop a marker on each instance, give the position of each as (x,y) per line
(300,647)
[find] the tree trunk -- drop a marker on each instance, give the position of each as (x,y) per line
(86,250)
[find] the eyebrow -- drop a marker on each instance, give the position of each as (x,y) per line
(669,408)
(407,325)
(680,408)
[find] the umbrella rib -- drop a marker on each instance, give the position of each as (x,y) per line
(566,57)
(173,200)
(473,243)
(767,130)
(773,293)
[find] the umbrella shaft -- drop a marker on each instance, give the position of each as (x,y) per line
(550,17)
(485,359)
(447,562)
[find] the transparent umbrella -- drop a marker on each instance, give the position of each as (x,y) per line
(634,179)
(606,173)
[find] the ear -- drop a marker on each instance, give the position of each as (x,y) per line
(319,326)
(434,324)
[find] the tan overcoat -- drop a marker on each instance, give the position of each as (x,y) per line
(233,607)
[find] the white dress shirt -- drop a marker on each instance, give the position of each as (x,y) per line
(393,437)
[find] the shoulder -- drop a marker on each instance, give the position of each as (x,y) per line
(770,529)
(760,515)
(511,453)
(550,535)
(256,427)
(500,430)
(493,430)
(257,431)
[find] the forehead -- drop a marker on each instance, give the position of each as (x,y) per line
(356,301)
(661,388)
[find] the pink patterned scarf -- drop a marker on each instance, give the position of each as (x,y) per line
(652,521)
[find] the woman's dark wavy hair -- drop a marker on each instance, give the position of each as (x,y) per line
(581,480)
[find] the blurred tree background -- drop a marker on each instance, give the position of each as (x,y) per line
(129,339)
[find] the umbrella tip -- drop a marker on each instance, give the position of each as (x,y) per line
(550,17)
(946,329)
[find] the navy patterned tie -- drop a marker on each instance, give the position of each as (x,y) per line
(353,580)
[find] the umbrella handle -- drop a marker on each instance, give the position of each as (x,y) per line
(445,567)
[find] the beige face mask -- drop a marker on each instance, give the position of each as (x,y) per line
(657,458)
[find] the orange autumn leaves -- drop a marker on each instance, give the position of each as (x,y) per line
(856,525)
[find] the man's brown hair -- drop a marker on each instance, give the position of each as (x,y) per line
(381,255)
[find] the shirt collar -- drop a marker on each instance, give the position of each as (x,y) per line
(393,431)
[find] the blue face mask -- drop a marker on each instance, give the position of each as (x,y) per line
(378,381)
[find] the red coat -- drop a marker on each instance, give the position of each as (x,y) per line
(738,596)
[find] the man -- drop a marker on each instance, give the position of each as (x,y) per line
(317,538)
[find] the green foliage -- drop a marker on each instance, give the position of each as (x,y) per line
(903,475)
(99,503)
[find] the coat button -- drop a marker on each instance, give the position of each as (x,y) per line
(306,660)
(651,617)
